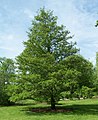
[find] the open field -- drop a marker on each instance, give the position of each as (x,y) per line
(67,110)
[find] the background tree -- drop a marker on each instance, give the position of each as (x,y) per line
(85,68)
(41,74)
(7,71)
(95,82)
(96,23)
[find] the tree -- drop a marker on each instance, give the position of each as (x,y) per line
(7,71)
(85,68)
(96,23)
(41,75)
(95,82)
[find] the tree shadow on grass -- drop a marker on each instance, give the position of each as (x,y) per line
(91,109)
(19,104)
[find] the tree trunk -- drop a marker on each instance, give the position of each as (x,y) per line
(52,103)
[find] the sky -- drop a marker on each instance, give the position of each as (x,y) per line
(79,17)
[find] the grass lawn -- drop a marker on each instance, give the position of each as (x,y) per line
(68,110)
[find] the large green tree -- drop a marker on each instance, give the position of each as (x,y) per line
(40,72)
(7,72)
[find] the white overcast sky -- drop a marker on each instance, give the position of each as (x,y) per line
(79,17)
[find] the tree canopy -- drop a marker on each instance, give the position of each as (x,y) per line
(96,23)
(7,71)
(85,78)
(42,72)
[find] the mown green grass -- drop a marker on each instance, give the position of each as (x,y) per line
(74,110)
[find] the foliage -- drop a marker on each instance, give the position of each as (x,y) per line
(85,71)
(41,75)
(87,92)
(96,23)
(7,71)
(95,82)
(82,65)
